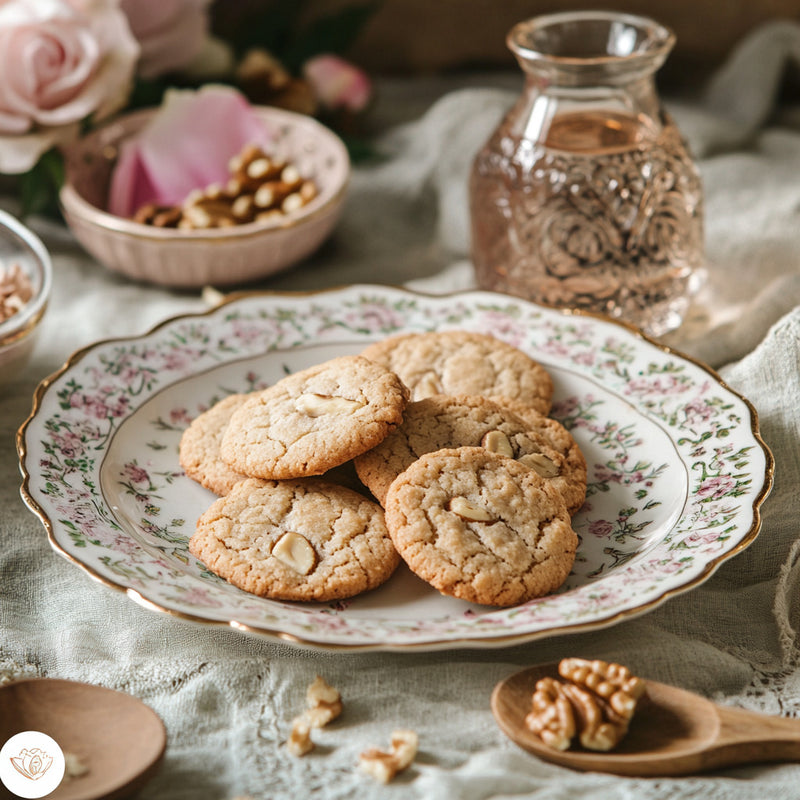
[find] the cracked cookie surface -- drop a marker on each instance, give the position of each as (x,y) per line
(450,421)
(306,540)
(557,436)
(314,420)
(199,449)
(481,527)
(463,362)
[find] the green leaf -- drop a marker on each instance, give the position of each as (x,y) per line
(39,187)
(146,94)
(360,150)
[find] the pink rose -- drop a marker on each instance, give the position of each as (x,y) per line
(171,33)
(61,61)
(337,83)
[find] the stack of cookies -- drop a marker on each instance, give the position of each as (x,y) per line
(471,483)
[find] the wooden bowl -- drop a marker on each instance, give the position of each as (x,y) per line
(117,739)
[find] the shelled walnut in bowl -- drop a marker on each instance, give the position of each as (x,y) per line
(260,188)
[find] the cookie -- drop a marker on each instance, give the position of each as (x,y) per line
(306,540)
(463,362)
(481,527)
(314,420)
(199,449)
(557,436)
(450,421)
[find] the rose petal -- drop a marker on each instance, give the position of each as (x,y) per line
(186,146)
(337,83)
(20,153)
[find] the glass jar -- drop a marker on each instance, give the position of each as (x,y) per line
(586,195)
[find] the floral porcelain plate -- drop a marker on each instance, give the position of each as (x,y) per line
(677,469)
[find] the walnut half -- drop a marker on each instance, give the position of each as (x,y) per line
(595,702)
(383,765)
(612,682)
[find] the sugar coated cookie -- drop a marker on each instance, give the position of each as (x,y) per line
(199,449)
(558,437)
(314,420)
(296,540)
(449,421)
(463,362)
(481,527)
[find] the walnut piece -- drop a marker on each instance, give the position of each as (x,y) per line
(384,765)
(498,442)
(260,187)
(317,405)
(551,717)
(468,510)
(539,462)
(299,742)
(324,703)
(15,290)
(598,726)
(296,552)
(612,682)
(595,702)
(74,766)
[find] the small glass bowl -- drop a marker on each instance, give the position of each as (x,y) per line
(19,245)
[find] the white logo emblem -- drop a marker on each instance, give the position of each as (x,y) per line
(31,764)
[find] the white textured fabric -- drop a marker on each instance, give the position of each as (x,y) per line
(227,699)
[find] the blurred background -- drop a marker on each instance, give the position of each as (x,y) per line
(423,36)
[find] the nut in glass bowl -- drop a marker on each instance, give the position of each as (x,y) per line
(192,257)
(26,275)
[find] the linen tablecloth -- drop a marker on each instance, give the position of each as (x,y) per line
(227,698)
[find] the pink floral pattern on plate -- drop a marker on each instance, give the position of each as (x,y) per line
(677,469)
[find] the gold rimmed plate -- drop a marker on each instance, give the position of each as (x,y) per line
(677,468)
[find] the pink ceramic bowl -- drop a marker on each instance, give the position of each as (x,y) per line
(215,257)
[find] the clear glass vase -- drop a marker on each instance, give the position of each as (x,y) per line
(586,195)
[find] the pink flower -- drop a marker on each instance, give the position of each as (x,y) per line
(375,318)
(171,33)
(136,473)
(716,487)
(61,61)
(68,444)
(187,145)
(601,528)
(337,83)
(180,416)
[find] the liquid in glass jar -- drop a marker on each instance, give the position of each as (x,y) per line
(590,208)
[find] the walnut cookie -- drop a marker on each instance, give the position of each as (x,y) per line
(463,362)
(449,421)
(199,449)
(557,436)
(314,420)
(481,527)
(306,540)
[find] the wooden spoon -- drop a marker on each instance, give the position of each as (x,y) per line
(674,732)
(117,738)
